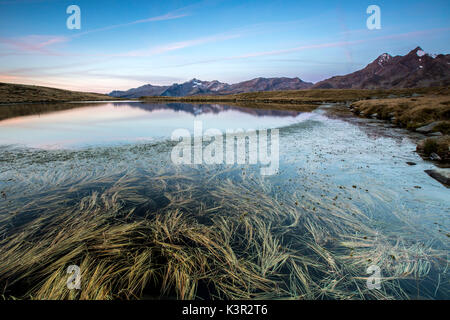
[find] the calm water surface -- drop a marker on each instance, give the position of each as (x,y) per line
(318,155)
(122,123)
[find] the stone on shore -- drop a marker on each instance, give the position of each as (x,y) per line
(435,157)
(441,175)
(429,127)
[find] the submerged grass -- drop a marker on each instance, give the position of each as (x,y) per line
(160,232)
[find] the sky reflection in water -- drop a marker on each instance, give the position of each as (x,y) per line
(132,122)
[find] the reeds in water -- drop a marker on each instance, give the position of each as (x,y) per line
(152,233)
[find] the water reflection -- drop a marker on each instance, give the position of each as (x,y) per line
(93,124)
(344,189)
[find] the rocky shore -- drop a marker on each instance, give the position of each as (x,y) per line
(426,115)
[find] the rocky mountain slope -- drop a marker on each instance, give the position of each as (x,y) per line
(416,69)
(146,90)
(198,87)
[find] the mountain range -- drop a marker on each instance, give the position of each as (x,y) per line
(198,87)
(416,69)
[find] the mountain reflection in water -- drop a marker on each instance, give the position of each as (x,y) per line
(76,125)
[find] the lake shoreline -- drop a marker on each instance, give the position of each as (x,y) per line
(137,225)
(389,106)
(427,115)
(441,173)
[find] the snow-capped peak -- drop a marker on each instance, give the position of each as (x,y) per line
(383,59)
(196,83)
(421,53)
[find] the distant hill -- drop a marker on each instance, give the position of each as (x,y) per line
(20,93)
(416,69)
(195,87)
(199,87)
(146,90)
(269,84)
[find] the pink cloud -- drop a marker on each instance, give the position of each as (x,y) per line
(335,44)
(38,43)
(34,43)
(176,46)
(168,16)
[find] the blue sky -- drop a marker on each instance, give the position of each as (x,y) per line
(124,44)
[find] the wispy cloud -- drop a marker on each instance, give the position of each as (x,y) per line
(8,77)
(147,78)
(40,70)
(334,44)
(177,46)
(34,43)
(168,16)
(39,43)
(343,43)
(24,1)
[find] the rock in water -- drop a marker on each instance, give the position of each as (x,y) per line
(441,175)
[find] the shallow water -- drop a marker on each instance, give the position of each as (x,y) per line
(105,124)
(323,160)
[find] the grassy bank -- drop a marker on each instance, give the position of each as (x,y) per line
(414,113)
(19,93)
(303,96)
(437,145)
(410,113)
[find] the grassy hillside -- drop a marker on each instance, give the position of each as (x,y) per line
(410,113)
(413,113)
(19,93)
(305,96)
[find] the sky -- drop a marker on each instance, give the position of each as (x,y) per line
(126,44)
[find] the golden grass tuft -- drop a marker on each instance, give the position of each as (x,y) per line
(198,245)
(410,113)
